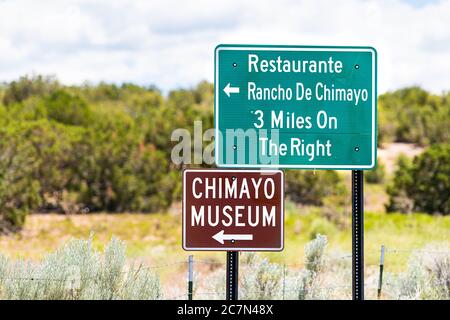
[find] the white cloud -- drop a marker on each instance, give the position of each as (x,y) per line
(170,43)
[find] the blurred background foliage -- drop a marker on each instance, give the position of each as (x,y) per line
(107,147)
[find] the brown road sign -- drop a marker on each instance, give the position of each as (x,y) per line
(233,210)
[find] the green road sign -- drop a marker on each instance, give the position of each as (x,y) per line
(295,107)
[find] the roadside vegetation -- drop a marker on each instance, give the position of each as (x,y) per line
(94,162)
(77,271)
(156,238)
(422,184)
(107,148)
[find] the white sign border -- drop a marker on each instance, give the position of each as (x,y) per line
(281,248)
(293,166)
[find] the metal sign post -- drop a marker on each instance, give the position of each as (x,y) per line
(232,274)
(357,235)
(380,279)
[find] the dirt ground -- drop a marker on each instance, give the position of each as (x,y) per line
(390,152)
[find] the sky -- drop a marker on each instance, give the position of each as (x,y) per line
(171,44)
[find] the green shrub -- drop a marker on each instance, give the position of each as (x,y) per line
(25,87)
(414,115)
(336,209)
(321,226)
(398,199)
(31,109)
(19,192)
(117,172)
(423,185)
(376,175)
(308,187)
(68,108)
(53,158)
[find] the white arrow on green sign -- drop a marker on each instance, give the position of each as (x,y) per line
(229,89)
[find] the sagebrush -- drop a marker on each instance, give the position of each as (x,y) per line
(79,272)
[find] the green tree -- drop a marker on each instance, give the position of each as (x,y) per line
(398,198)
(414,115)
(68,108)
(53,145)
(425,183)
(25,87)
(308,187)
(19,192)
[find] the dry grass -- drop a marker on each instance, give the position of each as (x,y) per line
(156,238)
(146,235)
